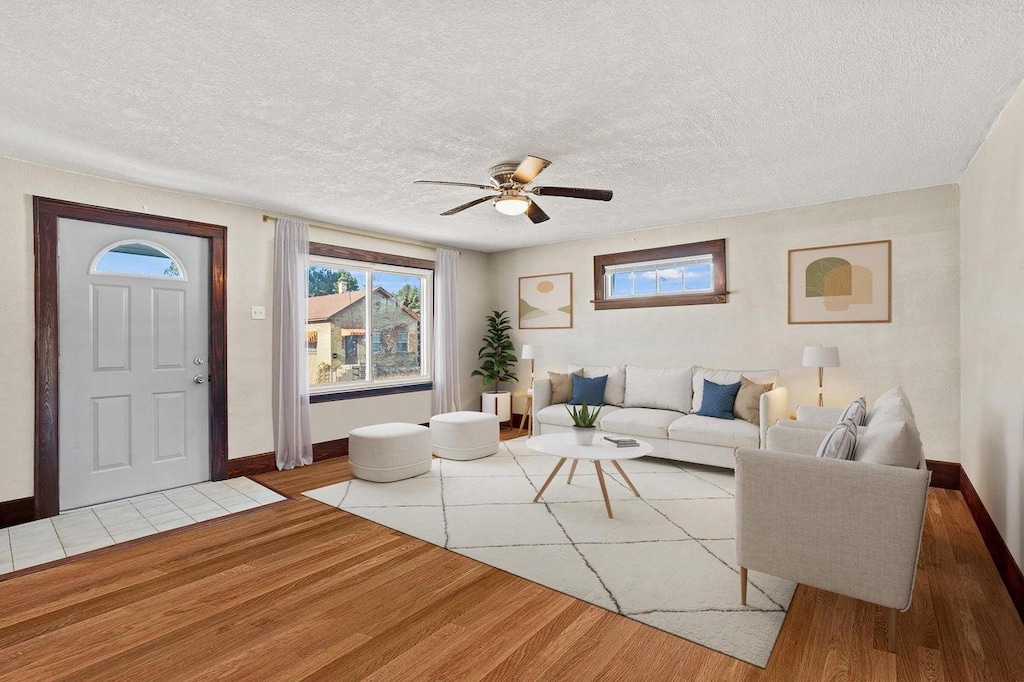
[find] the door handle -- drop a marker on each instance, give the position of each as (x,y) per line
(199,379)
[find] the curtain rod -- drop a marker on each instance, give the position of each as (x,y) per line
(369,235)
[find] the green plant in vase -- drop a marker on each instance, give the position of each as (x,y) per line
(498,357)
(584,421)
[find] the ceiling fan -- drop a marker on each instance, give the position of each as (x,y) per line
(510,181)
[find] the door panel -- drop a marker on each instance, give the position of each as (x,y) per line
(132,419)
(169,426)
(111,443)
(169,329)
(111,327)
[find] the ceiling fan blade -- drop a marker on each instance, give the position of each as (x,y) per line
(535,213)
(457,184)
(574,192)
(529,169)
(468,204)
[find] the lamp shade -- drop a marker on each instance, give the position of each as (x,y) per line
(821,356)
(532,351)
(512,204)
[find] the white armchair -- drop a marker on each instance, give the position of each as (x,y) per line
(852,527)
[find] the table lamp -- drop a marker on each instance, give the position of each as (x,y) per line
(531,352)
(821,357)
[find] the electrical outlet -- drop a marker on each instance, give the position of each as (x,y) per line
(259,312)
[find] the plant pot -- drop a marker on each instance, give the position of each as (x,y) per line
(584,434)
(499,403)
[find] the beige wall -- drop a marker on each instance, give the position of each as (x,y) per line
(919,349)
(249,277)
(992,324)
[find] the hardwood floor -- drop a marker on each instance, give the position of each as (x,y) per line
(302,591)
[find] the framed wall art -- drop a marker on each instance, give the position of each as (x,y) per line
(545,301)
(845,283)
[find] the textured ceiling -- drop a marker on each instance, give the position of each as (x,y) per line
(687,110)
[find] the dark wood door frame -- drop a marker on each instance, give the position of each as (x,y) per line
(47,212)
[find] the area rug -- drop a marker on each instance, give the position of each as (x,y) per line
(666,559)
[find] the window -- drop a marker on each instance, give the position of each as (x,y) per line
(140,259)
(358,296)
(684,274)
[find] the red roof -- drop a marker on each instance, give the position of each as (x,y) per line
(323,308)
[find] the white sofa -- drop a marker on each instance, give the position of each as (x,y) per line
(657,405)
(847,526)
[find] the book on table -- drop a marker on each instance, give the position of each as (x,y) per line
(623,441)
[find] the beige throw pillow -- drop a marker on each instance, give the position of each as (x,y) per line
(748,400)
(561,386)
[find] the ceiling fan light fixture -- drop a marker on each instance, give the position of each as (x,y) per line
(512,204)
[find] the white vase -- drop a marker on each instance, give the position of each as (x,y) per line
(499,403)
(584,434)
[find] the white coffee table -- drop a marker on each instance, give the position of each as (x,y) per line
(564,446)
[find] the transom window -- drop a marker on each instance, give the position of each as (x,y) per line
(684,274)
(352,302)
(660,278)
(140,259)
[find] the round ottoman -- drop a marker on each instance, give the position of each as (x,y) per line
(389,452)
(464,435)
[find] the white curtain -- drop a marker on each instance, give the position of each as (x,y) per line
(293,442)
(446,395)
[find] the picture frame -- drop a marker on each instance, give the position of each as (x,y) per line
(841,284)
(545,301)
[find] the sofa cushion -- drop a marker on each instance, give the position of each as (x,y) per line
(615,388)
(891,442)
(558,415)
(892,403)
(748,400)
(719,400)
(728,376)
(840,442)
(857,411)
(693,428)
(589,391)
(641,422)
(660,388)
(561,387)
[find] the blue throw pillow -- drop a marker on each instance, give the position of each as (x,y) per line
(589,390)
(718,400)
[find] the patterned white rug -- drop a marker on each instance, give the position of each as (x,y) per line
(665,559)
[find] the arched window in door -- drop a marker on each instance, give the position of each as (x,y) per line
(138,259)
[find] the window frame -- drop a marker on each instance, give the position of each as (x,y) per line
(369,259)
(182,276)
(715,248)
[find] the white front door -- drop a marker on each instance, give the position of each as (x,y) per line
(134,346)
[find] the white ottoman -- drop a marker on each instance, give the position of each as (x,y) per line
(389,452)
(464,435)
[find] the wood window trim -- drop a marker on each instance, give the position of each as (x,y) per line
(714,247)
(373,258)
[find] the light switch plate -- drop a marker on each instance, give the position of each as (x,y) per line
(259,312)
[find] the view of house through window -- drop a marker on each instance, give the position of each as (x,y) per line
(364,324)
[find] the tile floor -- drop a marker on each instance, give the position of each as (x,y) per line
(82,530)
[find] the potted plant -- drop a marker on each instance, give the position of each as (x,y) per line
(498,356)
(584,423)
